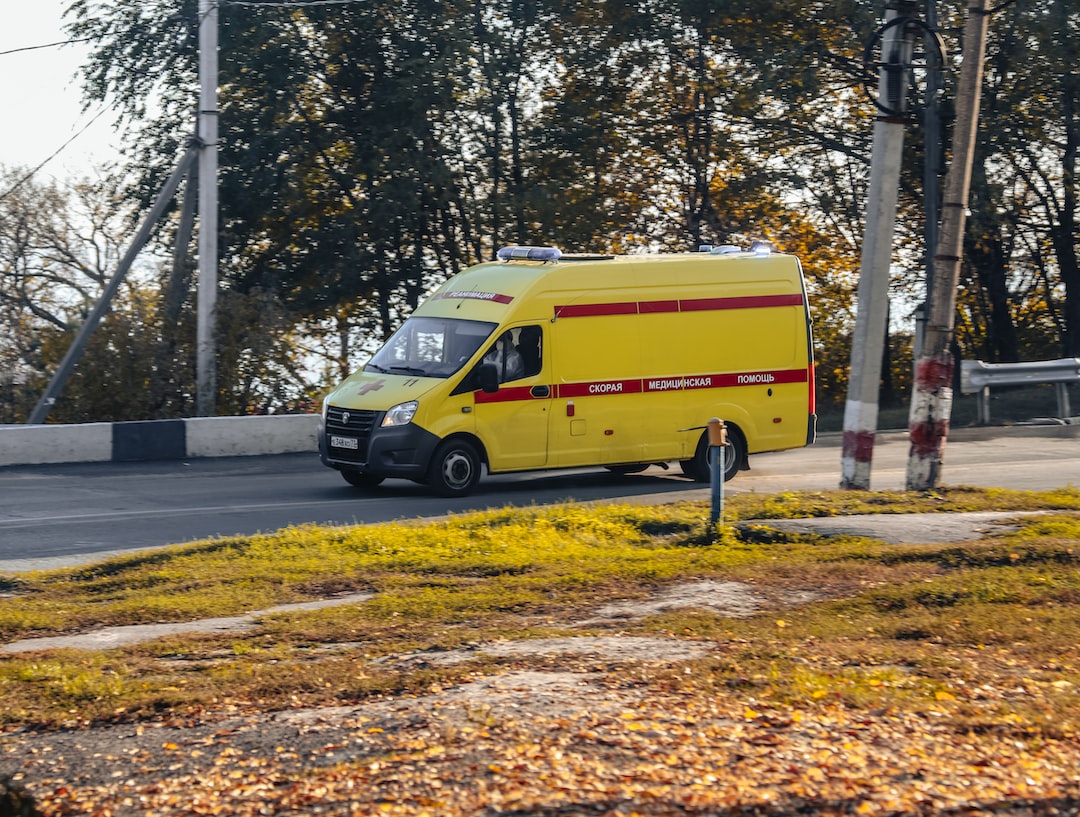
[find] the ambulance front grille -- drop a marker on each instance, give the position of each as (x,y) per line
(356,423)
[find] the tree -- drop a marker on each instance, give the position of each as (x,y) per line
(368,150)
(59,244)
(1039,139)
(335,186)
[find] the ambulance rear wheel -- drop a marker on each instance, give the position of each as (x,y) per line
(455,468)
(734,457)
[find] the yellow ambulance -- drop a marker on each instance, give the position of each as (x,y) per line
(543,360)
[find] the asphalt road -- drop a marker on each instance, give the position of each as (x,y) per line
(57,515)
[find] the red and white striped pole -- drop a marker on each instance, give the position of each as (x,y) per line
(931,401)
(871,319)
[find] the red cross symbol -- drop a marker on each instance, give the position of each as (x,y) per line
(373,386)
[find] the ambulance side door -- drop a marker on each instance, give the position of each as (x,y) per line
(512,422)
(599,410)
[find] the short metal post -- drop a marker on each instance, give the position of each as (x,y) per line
(984,406)
(1064,410)
(717,442)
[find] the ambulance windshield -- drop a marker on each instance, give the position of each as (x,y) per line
(430,347)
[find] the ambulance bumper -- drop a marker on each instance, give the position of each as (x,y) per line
(388,452)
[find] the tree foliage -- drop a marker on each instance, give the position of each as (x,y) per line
(1023,295)
(58,246)
(369,150)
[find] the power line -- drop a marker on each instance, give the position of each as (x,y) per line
(46,45)
(29,175)
(251,3)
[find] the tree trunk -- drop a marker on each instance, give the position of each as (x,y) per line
(1063,234)
(987,257)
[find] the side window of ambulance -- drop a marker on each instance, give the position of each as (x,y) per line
(505,357)
(518,353)
(530,345)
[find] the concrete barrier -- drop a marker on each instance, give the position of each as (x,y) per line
(242,436)
(149,440)
(158,439)
(86,442)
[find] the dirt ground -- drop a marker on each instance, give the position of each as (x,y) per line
(563,726)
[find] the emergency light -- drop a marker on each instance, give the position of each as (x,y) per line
(529,254)
(757,248)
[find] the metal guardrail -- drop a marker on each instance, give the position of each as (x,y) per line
(977,377)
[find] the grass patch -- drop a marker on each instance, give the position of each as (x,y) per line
(927,627)
(802,504)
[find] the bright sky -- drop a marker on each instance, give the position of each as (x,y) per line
(40,95)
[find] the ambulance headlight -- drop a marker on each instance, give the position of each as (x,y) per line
(400,415)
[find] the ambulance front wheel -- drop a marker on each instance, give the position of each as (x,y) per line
(455,468)
(734,457)
(358,479)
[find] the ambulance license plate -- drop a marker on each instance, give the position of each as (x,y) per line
(345,442)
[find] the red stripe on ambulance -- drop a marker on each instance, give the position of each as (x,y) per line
(762,378)
(601,388)
(687,305)
(742,302)
(505,394)
(594,310)
(725,381)
(657,307)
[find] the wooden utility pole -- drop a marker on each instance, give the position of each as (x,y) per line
(931,401)
(206,302)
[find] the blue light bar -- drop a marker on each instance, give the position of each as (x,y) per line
(529,254)
(761,248)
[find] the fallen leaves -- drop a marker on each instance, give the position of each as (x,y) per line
(929,710)
(661,754)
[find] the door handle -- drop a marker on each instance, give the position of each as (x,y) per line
(540,391)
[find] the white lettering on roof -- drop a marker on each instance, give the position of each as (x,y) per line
(477,295)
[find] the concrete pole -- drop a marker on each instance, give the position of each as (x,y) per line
(206,305)
(868,341)
(931,182)
(931,401)
(932,155)
(71,357)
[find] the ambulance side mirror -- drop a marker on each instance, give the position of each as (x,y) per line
(487,375)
